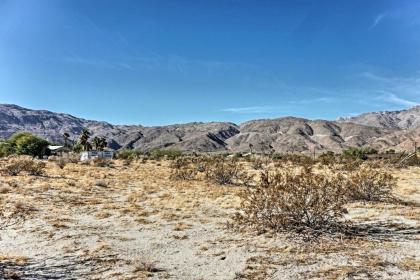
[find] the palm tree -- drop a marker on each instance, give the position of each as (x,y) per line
(84,139)
(66,138)
(96,142)
(102,143)
(99,143)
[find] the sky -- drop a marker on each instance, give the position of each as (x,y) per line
(176,61)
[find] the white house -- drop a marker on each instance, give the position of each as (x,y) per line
(56,150)
(96,154)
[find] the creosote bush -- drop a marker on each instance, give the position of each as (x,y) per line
(370,184)
(302,202)
(226,172)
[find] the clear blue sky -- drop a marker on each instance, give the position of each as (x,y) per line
(161,62)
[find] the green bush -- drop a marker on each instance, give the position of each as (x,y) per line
(24,143)
(6,149)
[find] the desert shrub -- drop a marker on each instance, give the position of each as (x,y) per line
(14,165)
(370,184)
(183,168)
(36,168)
(200,167)
(327,158)
(294,159)
(226,172)
(6,149)
(257,163)
(72,157)
(348,164)
(128,154)
(101,162)
(412,161)
(302,202)
(61,162)
(158,154)
(12,214)
(127,162)
(359,153)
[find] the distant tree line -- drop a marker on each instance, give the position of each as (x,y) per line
(25,143)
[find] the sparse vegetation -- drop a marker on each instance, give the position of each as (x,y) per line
(164,153)
(194,196)
(359,153)
(128,154)
(14,165)
(101,162)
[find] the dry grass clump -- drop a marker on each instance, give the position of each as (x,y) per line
(145,266)
(14,165)
(12,213)
(370,184)
(101,162)
(286,200)
(101,183)
(61,162)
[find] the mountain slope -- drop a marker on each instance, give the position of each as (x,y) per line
(289,134)
(404,119)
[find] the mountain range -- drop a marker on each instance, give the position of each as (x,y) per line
(381,130)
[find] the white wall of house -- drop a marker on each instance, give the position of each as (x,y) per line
(96,154)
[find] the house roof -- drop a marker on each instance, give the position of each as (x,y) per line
(52,148)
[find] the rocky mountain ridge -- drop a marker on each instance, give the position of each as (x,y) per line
(384,130)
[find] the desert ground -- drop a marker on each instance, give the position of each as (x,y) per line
(133,222)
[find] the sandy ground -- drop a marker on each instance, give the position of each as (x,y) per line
(132,222)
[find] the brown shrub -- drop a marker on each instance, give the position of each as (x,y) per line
(295,159)
(101,162)
(12,214)
(37,168)
(370,184)
(14,165)
(303,202)
(61,162)
(227,171)
(183,168)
